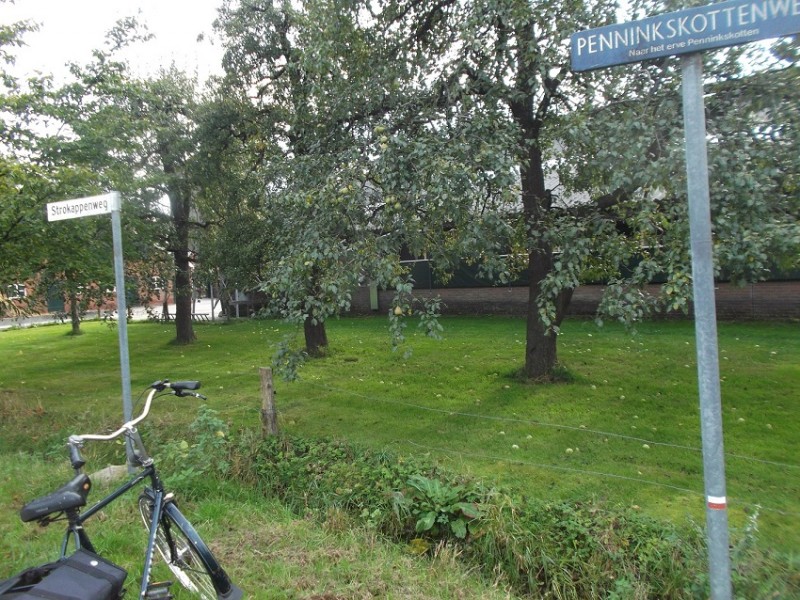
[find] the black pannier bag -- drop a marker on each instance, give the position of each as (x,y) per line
(82,576)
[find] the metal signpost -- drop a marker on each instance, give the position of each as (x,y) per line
(101,205)
(689,32)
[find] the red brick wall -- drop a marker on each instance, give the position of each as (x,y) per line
(760,301)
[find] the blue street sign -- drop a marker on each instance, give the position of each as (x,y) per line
(689,32)
(685,31)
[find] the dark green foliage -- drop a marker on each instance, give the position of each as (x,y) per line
(538,548)
(587,550)
(581,550)
(318,476)
(440,509)
(190,462)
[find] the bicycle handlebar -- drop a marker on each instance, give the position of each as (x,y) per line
(179,388)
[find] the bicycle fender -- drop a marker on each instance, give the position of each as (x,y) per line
(234,594)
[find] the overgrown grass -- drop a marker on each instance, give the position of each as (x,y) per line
(625,429)
(539,549)
(628,408)
(268,551)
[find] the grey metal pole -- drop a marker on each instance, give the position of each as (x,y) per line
(122,309)
(211,296)
(706,326)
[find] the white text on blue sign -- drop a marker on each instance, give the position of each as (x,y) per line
(681,32)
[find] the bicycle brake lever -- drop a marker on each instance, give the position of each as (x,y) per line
(184,393)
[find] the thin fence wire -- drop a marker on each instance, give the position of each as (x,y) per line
(595,432)
(600,474)
(536,423)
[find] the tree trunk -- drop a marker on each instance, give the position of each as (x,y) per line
(180,204)
(165,304)
(316,337)
(530,110)
(540,346)
(184,331)
(541,354)
(74,313)
(314,328)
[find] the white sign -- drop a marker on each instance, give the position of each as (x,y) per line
(82,207)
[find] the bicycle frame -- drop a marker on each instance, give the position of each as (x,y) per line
(158,509)
(80,538)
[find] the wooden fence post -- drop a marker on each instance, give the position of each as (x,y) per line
(269,416)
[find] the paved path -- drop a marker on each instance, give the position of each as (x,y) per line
(202,306)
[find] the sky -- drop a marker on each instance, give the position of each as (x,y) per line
(71,29)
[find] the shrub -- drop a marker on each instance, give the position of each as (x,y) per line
(538,548)
(317,476)
(584,551)
(194,463)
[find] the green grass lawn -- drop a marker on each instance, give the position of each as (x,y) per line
(267,551)
(623,428)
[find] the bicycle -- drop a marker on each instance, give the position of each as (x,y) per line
(170,533)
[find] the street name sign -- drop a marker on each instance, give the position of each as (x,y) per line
(689,32)
(110,203)
(685,31)
(82,207)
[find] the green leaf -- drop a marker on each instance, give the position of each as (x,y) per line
(469,509)
(459,528)
(426,522)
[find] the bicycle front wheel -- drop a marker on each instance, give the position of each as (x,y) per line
(186,554)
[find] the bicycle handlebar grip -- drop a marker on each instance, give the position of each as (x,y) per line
(75,457)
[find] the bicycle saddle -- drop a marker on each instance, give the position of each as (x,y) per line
(70,495)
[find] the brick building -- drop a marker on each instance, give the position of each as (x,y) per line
(777,299)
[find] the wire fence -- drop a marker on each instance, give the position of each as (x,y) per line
(790,467)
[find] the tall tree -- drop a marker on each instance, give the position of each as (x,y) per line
(105,129)
(167,106)
(19,222)
(480,95)
(312,235)
(140,134)
(56,259)
(752,126)
(491,79)
(457,131)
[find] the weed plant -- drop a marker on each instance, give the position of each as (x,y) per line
(619,435)
(534,547)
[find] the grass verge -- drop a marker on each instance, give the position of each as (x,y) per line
(621,429)
(267,550)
